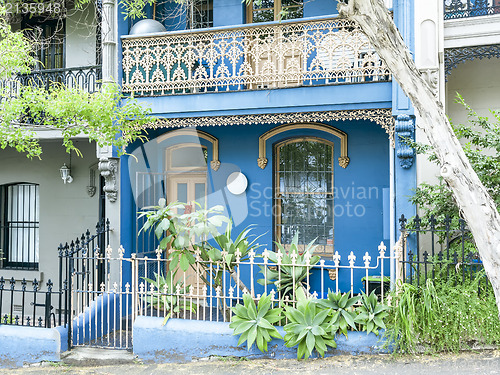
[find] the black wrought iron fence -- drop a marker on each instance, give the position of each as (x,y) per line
(32,303)
(80,257)
(439,250)
(454,9)
(87,78)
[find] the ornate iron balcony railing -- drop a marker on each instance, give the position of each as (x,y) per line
(454,9)
(87,78)
(327,51)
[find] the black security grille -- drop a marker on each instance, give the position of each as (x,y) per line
(454,9)
(200,14)
(19,225)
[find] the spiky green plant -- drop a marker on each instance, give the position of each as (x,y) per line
(308,327)
(289,275)
(342,311)
(168,294)
(255,323)
(371,314)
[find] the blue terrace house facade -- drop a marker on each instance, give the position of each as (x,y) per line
(285,96)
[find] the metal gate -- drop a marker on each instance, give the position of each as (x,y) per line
(100,303)
(104,309)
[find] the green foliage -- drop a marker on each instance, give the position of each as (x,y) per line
(309,327)
(371,314)
(71,111)
(135,8)
(342,311)
(481,143)
(100,116)
(183,233)
(241,245)
(166,293)
(255,323)
(288,277)
(15,56)
(443,317)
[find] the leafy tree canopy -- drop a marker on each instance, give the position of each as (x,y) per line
(102,116)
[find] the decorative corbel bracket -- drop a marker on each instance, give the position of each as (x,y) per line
(405,129)
(108,169)
(431,76)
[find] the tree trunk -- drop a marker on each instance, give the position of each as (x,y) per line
(474,202)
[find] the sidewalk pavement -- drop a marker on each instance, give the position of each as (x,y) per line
(89,362)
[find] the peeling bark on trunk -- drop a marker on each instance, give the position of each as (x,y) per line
(475,204)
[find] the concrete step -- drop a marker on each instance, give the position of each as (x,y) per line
(85,356)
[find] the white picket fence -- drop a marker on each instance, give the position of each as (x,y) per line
(104,314)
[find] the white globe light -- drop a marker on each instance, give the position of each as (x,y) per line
(237,183)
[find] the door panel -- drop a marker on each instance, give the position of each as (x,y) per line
(189,188)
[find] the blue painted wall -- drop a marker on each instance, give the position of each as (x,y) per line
(359,189)
(29,344)
(183,340)
(228,12)
(298,99)
(317,8)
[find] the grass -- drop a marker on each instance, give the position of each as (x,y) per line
(442,317)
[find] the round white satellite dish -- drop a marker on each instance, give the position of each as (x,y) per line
(237,183)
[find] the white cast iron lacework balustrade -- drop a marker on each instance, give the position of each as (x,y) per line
(330,51)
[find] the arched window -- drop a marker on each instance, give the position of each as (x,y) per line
(303,193)
(19,223)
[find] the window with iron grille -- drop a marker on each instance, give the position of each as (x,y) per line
(274,10)
(19,225)
(48,38)
(304,192)
(200,14)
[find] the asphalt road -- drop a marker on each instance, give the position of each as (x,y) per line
(484,362)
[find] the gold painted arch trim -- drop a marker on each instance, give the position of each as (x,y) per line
(215,163)
(343,159)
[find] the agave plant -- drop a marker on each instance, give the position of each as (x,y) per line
(168,294)
(308,327)
(289,275)
(371,313)
(255,323)
(342,311)
(241,244)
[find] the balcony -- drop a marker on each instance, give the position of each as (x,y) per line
(87,78)
(454,9)
(329,51)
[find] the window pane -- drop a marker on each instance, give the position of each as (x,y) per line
(305,196)
(292,9)
(263,15)
(264,4)
(188,157)
(306,167)
(182,192)
(200,14)
(290,13)
(310,215)
(199,193)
